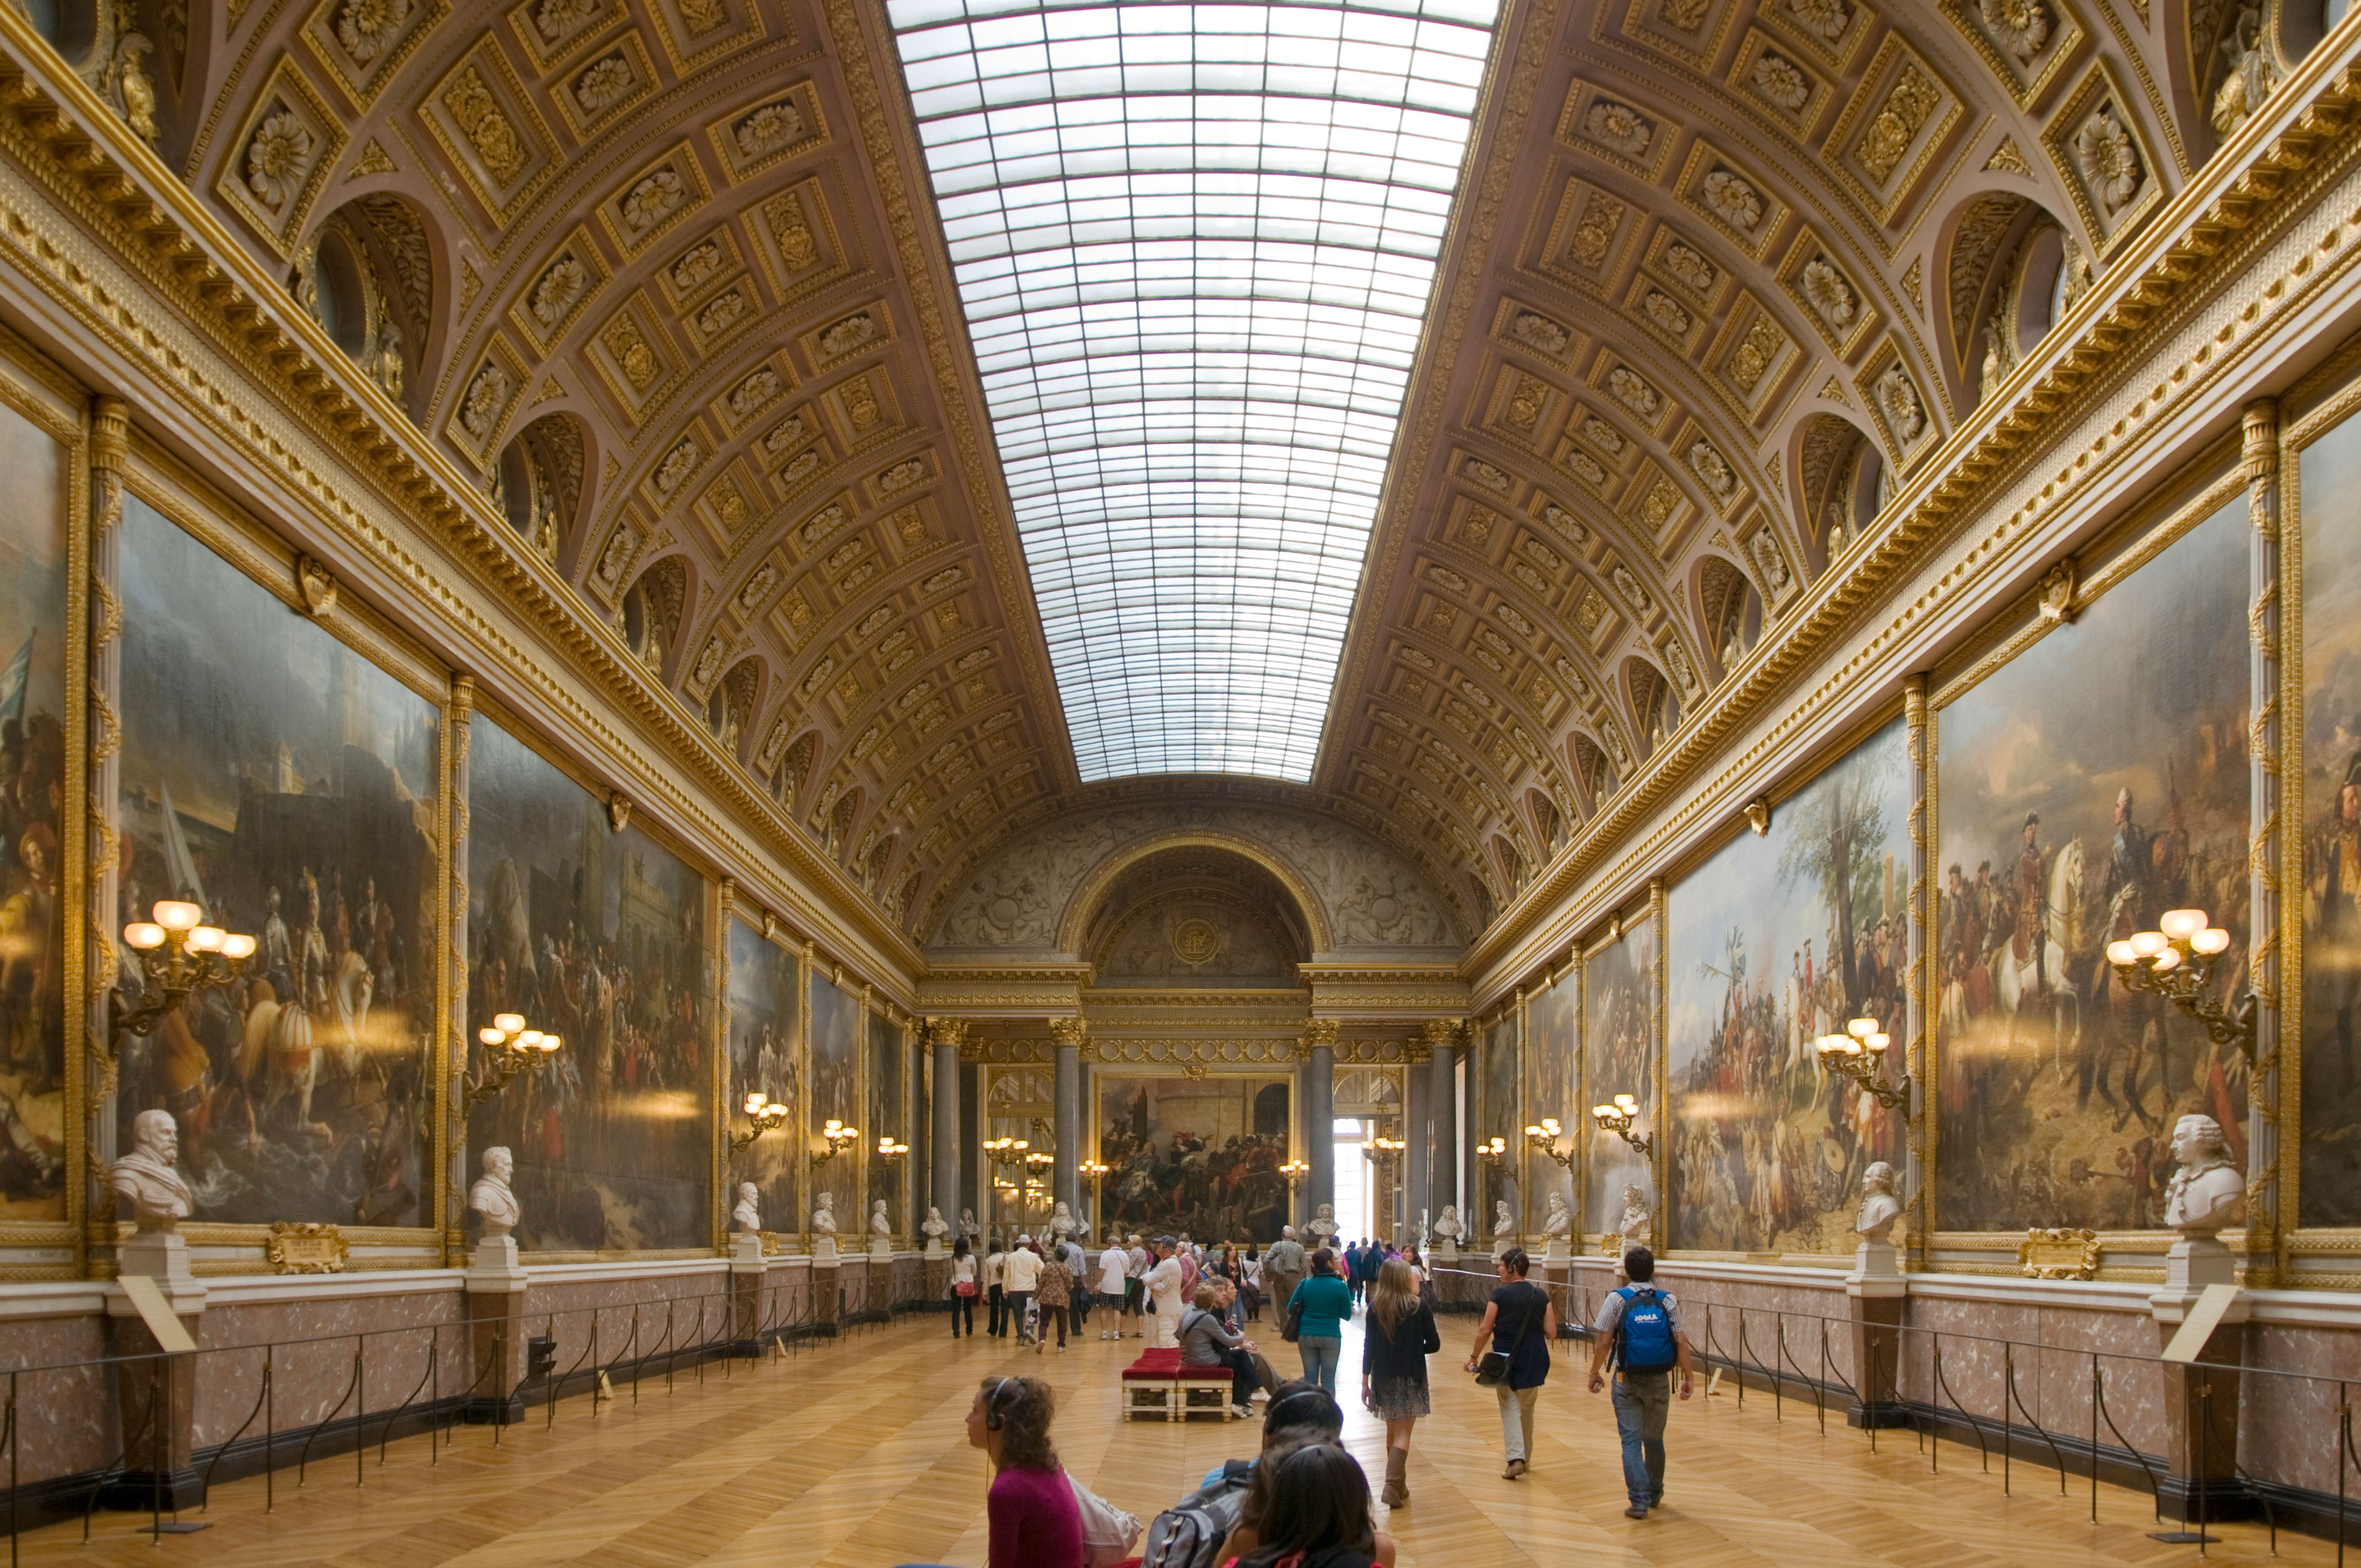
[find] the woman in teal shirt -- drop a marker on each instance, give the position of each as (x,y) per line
(1326,1302)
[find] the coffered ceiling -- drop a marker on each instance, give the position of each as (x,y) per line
(674,267)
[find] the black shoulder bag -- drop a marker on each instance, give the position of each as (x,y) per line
(1492,1366)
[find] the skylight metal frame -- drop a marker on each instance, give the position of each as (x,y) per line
(1195,245)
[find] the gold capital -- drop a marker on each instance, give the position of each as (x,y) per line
(1070,1031)
(1320,1033)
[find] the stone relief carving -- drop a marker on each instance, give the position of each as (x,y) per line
(1018,898)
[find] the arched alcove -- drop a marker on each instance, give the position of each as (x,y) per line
(538,482)
(653,610)
(1655,704)
(366,273)
(730,711)
(1594,774)
(1729,611)
(794,769)
(1196,916)
(1840,486)
(2012,271)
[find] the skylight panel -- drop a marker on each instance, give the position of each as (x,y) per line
(1195,246)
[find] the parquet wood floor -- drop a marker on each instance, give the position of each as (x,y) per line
(854,1456)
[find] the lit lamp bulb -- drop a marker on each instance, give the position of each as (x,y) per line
(1862,1028)
(2121,952)
(509,1023)
(2179,925)
(2170,958)
(143,935)
(529,1041)
(1877,1042)
(1549,1126)
(550,1043)
(490,1036)
(206,938)
(2147,944)
(238,947)
(175,915)
(2212,940)
(1602,1112)
(1626,1105)
(755,1101)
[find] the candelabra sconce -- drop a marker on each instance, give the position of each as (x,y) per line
(1494,1151)
(178,955)
(1859,1053)
(1619,1117)
(1543,1139)
(1094,1172)
(512,1049)
(2176,962)
(766,1113)
(834,1137)
(888,1149)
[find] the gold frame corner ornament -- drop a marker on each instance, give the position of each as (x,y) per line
(306,1247)
(2061,1252)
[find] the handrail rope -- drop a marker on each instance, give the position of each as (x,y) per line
(261,1393)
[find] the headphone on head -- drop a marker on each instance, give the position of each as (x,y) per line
(1004,1392)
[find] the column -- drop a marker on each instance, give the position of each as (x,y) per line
(1065,1177)
(944,1160)
(110,439)
(1418,1201)
(2268,1228)
(449,1210)
(1917,1041)
(1443,1112)
(1319,1047)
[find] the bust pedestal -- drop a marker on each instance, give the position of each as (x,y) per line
(824,1248)
(881,1247)
(1445,1249)
(157,1394)
(2201,1397)
(496,1283)
(1553,1249)
(827,1287)
(748,1273)
(1874,1292)
(935,1247)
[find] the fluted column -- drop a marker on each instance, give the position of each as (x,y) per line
(1418,1201)
(1319,1044)
(1443,1114)
(943,1160)
(1066,1181)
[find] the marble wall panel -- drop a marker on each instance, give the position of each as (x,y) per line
(312,1349)
(69,1421)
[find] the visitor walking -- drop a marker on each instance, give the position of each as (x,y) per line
(1637,1326)
(1115,1267)
(1021,1275)
(1055,1294)
(962,1289)
(1353,1269)
(1400,1335)
(1519,1322)
(1282,1270)
(995,1291)
(1326,1303)
(1136,1291)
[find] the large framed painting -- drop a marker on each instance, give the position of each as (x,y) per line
(2091,774)
(598,937)
(1497,1117)
(835,1082)
(766,1055)
(1772,942)
(37,541)
(1194,1155)
(277,778)
(888,1117)
(2328,1191)
(1552,1067)
(1619,1057)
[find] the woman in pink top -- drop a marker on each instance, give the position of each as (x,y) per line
(1035,1522)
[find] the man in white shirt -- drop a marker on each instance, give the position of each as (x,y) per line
(1023,1273)
(1163,1284)
(995,1266)
(1114,1268)
(1282,1268)
(1135,1294)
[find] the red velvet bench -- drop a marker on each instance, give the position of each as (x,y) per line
(1157,1385)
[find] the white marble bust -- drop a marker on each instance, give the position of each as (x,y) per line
(492,1197)
(1447,1230)
(1061,1223)
(748,1215)
(2207,1192)
(1504,1225)
(146,1176)
(879,1225)
(1637,1224)
(1879,1208)
(1557,1223)
(934,1227)
(823,1220)
(967,1227)
(1324,1223)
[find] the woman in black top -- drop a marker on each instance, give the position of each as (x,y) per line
(1399,1337)
(1519,1322)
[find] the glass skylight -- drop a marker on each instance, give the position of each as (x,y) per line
(1195,245)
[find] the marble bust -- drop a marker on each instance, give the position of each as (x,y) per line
(1557,1223)
(492,1197)
(967,1227)
(146,1179)
(748,1215)
(1061,1223)
(1447,1228)
(823,1220)
(933,1227)
(1504,1227)
(1323,1224)
(1879,1208)
(1638,1225)
(879,1225)
(2207,1192)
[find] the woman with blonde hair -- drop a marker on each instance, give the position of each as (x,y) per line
(1399,1337)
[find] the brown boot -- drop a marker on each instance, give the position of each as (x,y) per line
(1397,1488)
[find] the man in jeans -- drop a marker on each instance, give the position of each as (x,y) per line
(1638,1326)
(1282,1270)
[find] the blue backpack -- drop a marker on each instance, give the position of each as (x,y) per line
(1643,1335)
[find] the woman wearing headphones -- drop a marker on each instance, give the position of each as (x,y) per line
(1034,1521)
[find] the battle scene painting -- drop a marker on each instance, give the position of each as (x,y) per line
(1619,1057)
(1495,1116)
(887,1118)
(836,1093)
(1194,1157)
(597,936)
(763,1055)
(1773,942)
(1551,1064)
(2329,1186)
(33,546)
(2091,783)
(275,778)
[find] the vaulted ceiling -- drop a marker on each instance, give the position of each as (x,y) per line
(667,273)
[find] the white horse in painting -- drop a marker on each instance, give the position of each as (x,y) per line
(2052,971)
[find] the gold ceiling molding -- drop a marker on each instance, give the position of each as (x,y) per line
(2209,236)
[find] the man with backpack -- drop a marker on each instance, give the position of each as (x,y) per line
(1638,1326)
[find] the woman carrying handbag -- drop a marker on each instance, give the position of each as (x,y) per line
(1519,1322)
(962,1289)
